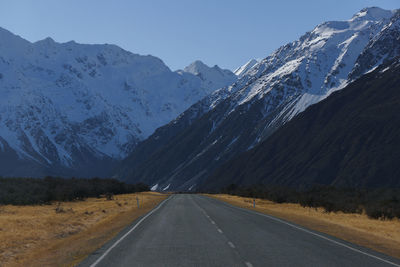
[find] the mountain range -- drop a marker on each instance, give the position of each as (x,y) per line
(184,153)
(350,139)
(71,109)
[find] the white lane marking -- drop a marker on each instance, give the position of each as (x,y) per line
(125,235)
(248,264)
(320,236)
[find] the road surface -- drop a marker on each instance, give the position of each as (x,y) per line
(193,230)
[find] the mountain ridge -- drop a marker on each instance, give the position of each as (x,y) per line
(65,106)
(350,139)
(247,112)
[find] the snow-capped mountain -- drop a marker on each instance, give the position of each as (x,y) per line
(214,77)
(350,139)
(271,92)
(319,62)
(68,105)
(382,48)
(241,71)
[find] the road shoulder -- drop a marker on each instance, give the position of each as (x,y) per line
(381,236)
(64,238)
(96,256)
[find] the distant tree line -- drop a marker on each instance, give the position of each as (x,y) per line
(27,191)
(379,203)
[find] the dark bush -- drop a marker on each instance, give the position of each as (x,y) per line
(383,203)
(26,191)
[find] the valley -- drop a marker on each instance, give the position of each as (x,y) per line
(116,158)
(233,121)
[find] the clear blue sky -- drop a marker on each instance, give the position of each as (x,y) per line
(223,32)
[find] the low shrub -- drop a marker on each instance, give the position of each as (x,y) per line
(27,191)
(382,203)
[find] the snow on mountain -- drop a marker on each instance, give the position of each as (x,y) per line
(241,71)
(213,77)
(348,140)
(383,47)
(236,118)
(61,102)
(307,70)
(373,13)
(318,62)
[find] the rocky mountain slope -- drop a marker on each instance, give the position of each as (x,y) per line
(351,139)
(241,71)
(234,119)
(74,109)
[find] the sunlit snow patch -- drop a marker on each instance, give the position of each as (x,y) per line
(154,187)
(165,188)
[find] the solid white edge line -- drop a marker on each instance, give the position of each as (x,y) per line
(126,234)
(318,235)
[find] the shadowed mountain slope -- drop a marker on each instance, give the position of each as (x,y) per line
(350,139)
(234,119)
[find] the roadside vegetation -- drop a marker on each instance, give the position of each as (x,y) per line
(382,203)
(64,233)
(379,235)
(30,191)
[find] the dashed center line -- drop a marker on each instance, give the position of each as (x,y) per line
(248,264)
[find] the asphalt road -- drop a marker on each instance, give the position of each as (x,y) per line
(193,230)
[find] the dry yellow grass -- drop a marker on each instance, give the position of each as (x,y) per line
(383,236)
(38,236)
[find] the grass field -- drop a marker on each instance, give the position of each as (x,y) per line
(383,236)
(62,234)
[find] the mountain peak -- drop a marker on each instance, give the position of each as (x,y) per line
(196,67)
(211,77)
(235,119)
(88,101)
(199,63)
(373,13)
(47,40)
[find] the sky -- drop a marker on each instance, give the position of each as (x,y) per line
(227,33)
